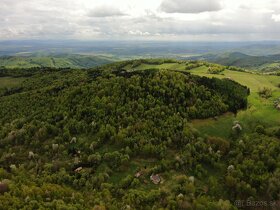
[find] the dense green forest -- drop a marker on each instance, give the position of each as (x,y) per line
(118,137)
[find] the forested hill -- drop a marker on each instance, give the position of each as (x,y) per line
(73,61)
(115,137)
(191,96)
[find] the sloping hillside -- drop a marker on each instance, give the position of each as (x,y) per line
(54,61)
(267,63)
(117,137)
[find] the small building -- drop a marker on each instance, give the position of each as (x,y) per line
(155,178)
(77,170)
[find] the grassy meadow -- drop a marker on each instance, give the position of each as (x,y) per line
(259,110)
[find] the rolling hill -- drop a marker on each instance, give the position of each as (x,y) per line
(73,61)
(139,134)
(269,63)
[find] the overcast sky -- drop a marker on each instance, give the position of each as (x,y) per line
(207,20)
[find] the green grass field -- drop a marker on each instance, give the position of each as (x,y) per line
(253,81)
(171,66)
(259,111)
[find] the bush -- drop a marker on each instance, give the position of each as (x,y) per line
(218,143)
(265,92)
(260,129)
(215,70)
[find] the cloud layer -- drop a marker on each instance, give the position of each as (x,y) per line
(106,11)
(190,6)
(218,20)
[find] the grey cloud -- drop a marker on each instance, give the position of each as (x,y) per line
(49,19)
(190,6)
(105,11)
(249,25)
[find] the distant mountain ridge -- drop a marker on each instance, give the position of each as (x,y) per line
(265,63)
(262,63)
(55,61)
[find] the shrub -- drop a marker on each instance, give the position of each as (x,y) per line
(219,144)
(265,92)
(260,129)
(215,70)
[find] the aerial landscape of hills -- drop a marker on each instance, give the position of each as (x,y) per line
(138,133)
(139,105)
(53,61)
(90,54)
